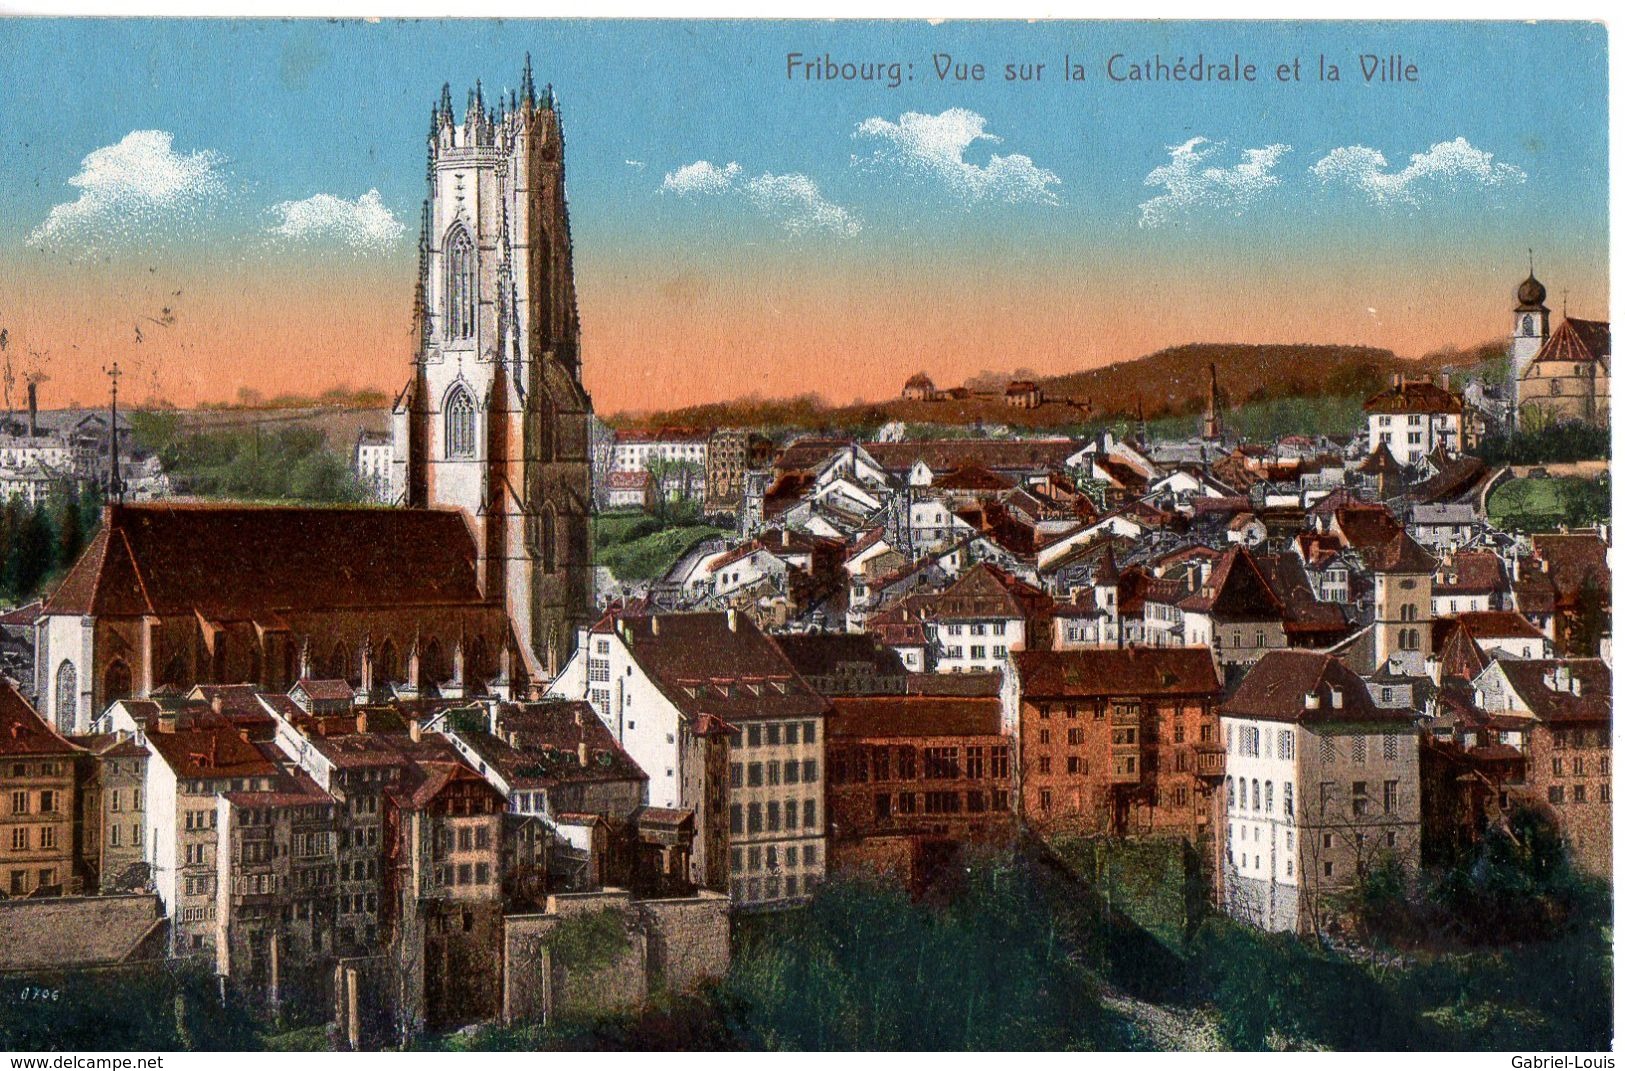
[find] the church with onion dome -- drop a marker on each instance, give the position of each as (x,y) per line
(1559,375)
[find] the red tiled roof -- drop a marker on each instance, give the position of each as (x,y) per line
(327,691)
(1469,572)
(210,754)
(231,562)
(1578,341)
(862,717)
(1237,588)
(23,731)
(1107,671)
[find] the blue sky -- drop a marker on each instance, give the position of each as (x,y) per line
(973,182)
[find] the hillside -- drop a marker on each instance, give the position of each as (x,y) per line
(1169,383)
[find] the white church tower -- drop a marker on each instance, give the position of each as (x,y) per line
(1531,327)
(494,421)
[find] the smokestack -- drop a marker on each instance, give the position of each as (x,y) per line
(33,409)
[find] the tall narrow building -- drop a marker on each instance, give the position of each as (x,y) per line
(495,419)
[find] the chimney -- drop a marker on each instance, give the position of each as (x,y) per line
(166,720)
(415,729)
(1444,380)
(361,722)
(581,753)
(733,620)
(581,719)
(1517,567)
(244,734)
(654,624)
(1311,701)
(1574,685)
(784,538)
(33,409)
(218,703)
(1337,699)
(1399,379)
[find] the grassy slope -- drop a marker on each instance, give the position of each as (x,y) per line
(633,546)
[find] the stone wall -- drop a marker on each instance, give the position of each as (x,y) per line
(688,940)
(603,951)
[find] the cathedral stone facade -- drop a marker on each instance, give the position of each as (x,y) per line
(494,422)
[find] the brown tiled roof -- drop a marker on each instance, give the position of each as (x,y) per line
(1528,678)
(1401,554)
(1107,671)
(972,477)
(1366,527)
(704,667)
(23,731)
(988,591)
(1236,588)
(327,691)
(1577,341)
(1381,462)
(1469,572)
(870,716)
(231,562)
(1493,623)
(210,753)
(1571,558)
(538,745)
(22,615)
(1411,396)
(1275,688)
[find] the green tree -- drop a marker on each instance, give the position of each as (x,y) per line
(31,555)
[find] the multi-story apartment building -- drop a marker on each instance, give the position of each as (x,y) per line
(1567,709)
(913,780)
(1118,741)
(189,769)
(1320,782)
(710,708)
(37,794)
(112,839)
(984,616)
(1413,418)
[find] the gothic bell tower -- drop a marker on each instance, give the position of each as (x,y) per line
(495,419)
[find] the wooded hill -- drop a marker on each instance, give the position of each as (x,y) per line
(1169,382)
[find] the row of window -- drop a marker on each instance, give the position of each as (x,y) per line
(115,835)
(463,874)
(758,857)
(908,803)
(1577,766)
(1577,794)
(991,628)
(775,734)
(18,884)
(755,890)
(977,651)
(23,839)
(46,801)
(772,772)
(772,816)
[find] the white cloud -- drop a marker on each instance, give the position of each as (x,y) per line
(936,144)
(794,201)
(702,176)
(138,188)
(639,164)
(365,224)
(1448,167)
(1191,187)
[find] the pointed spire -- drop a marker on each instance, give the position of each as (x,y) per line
(445,100)
(527,85)
(1106,574)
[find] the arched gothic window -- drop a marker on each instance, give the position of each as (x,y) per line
(459,423)
(67,697)
(459,286)
(1528,324)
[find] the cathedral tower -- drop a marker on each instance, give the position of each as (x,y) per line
(495,419)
